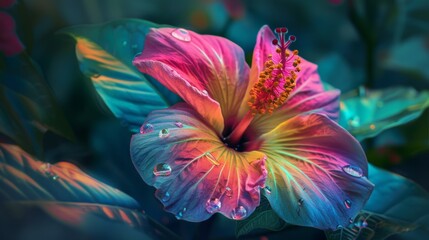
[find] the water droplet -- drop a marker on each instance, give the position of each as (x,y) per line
(238,213)
(300,202)
(178,124)
(228,192)
(146,128)
(204,92)
(354,121)
(267,190)
(96,75)
(213,205)
(353,171)
(181,34)
(351,220)
(212,159)
(348,203)
(361,224)
(179,215)
(372,126)
(55,177)
(164,133)
(162,169)
(339,226)
(166,197)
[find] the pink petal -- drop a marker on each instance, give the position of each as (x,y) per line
(307,97)
(317,172)
(304,99)
(199,170)
(208,72)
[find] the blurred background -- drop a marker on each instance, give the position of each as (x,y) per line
(372,44)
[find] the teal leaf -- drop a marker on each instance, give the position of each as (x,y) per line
(372,111)
(333,69)
(28,102)
(417,64)
(105,53)
(67,194)
(263,217)
(396,205)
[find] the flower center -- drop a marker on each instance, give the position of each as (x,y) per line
(277,79)
(275,83)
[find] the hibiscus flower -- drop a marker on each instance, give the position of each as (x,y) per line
(242,132)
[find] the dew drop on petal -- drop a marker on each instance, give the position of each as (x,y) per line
(178,124)
(164,133)
(213,205)
(267,190)
(166,197)
(55,177)
(181,34)
(179,215)
(351,220)
(146,128)
(300,202)
(228,192)
(353,171)
(339,226)
(238,213)
(162,169)
(348,203)
(204,92)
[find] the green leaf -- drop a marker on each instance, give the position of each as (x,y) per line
(28,105)
(373,111)
(67,194)
(396,205)
(105,53)
(263,217)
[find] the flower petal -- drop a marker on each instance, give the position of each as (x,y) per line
(208,72)
(197,167)
(304,99)
(308,95)
(317,172)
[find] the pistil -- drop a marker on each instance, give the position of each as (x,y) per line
(275,83)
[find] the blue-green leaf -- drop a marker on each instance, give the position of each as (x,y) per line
(396,205)
(68,195)
(399,57)
(28,107)
(333,69)
(372,111)
(105,53)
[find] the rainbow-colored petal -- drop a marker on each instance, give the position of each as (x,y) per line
(317,172)
(208,72)
(195,174)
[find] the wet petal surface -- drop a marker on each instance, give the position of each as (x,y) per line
(316,172)
(195,174)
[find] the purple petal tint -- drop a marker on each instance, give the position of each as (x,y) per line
(194,173)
